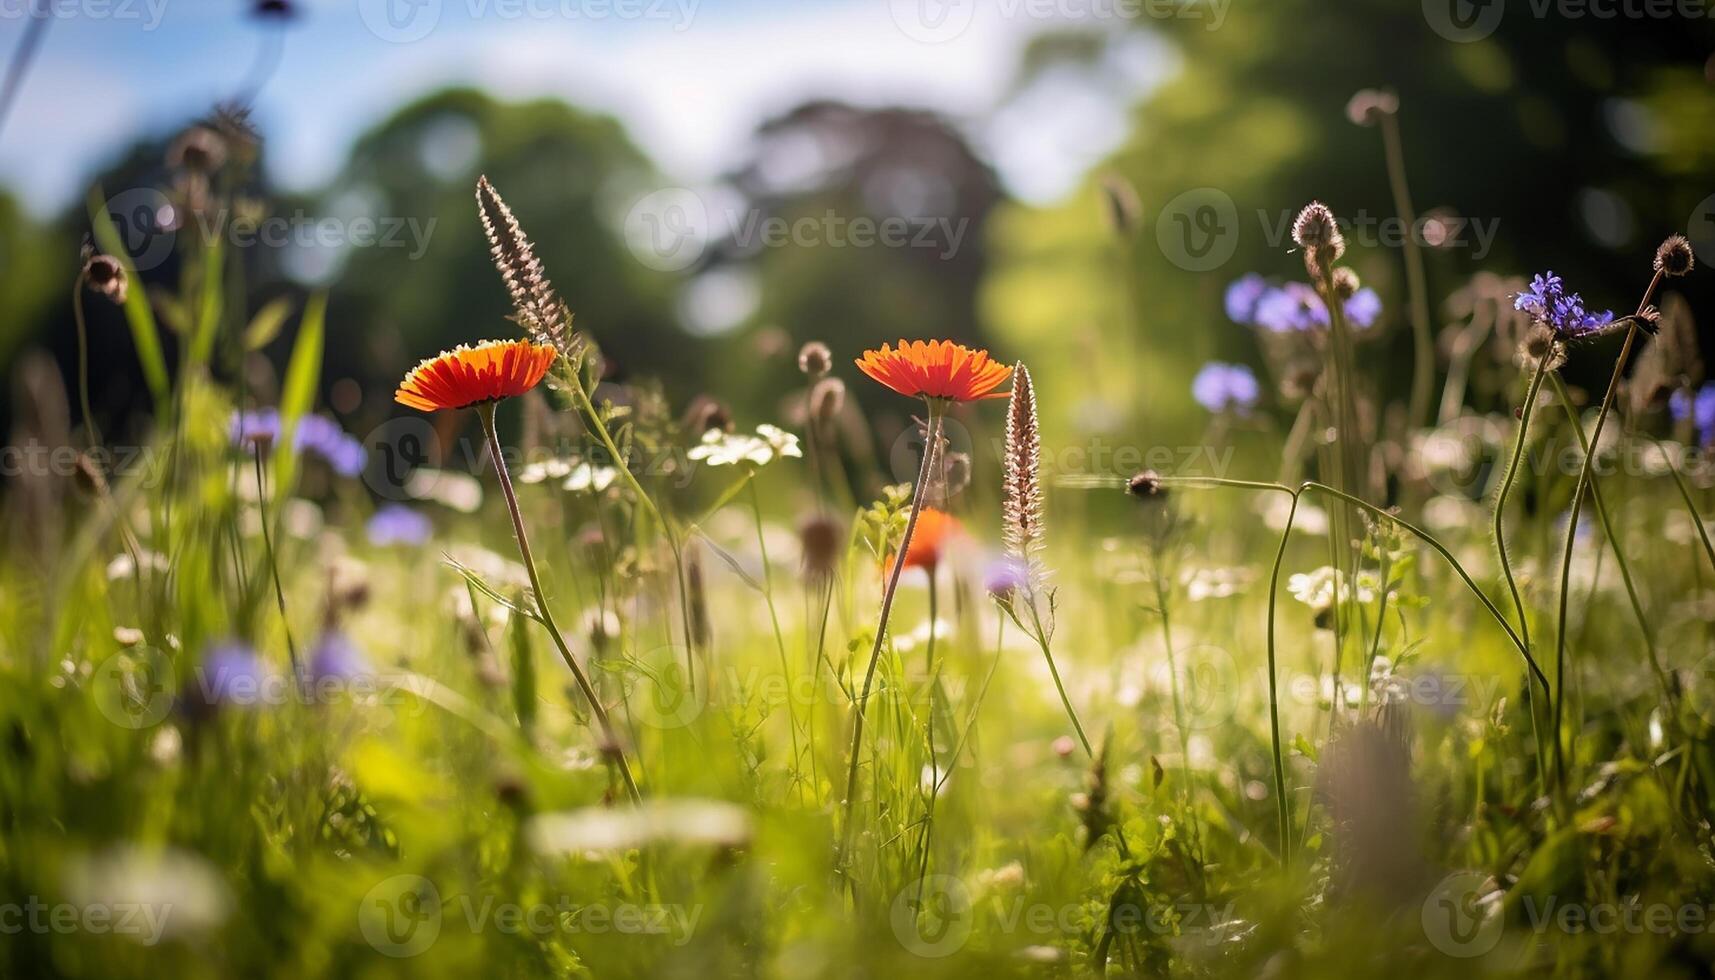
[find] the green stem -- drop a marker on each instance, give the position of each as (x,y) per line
(1584,477)
(1525,412)
(1614,544)
(930,446)
(1423,344)
(1282,807)
(779,639)
(90,430)
(596,707)
(273,564)
(1690,504)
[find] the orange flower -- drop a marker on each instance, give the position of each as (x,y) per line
(464,376)
(935,530)
(936,369)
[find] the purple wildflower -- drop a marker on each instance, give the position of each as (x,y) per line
(1221,387)
(1363,308)
(1698,408)
(1548,302)
(231,675)
(1005,576)
(336,659)
(315,432)
(1290,307)
(398,524)
(1242,297)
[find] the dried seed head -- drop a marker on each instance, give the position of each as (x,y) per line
(1346,283)
(819,540)
(1314,227)
(1674,257)
(814,359)
(198,149)
(707,413)
(1146,486)
(1368,106)
(535,305)
(1022,491)
(105,275)
(827,400)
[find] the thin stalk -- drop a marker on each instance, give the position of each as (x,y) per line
(273,564)
(1584,477)
(1040,635)
(1282,807)
(582,395)
(1525,412)
(1173,672)
(1423,344)
(486,412)
(91,431)
(930,446)
(779,638)
(1614,543)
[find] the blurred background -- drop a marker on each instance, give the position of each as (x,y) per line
(713,182)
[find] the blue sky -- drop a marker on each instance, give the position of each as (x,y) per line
(689,78)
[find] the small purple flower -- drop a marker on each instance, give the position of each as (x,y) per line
(1242,297)
(1698,408)
(1290,307)
(1221,387)
(315,432)
(1548,302)
(231,675)
(398,524)
(336,659)
(1005,576)
(1363,308)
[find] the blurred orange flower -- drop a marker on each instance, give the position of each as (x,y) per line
(465,376)
(935,530)
(936,369)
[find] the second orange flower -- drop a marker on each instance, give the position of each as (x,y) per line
(937,369)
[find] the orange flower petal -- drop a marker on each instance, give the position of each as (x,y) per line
(935,369)
(465,376)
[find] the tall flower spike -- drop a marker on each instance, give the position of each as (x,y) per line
(1022,506)
(537,308)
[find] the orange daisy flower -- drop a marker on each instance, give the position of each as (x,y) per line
(935,530)
(465,376)
(936,369)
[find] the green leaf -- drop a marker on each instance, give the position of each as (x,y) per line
(523,672)
(213,305)
(266,324)
(137,313)
(303,374)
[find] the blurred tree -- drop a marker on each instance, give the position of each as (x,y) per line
(858,226)
(1580,142)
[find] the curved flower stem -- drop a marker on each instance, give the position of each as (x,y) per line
(1412,529)
(1584,478)
(1423,344)
(582,396)
(273,562)
(931,446)
(1040,635)
(1525,412)
(1609,532)
(487,414)
(1282,805)
(1690,504)
(90,430)
(779,638)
